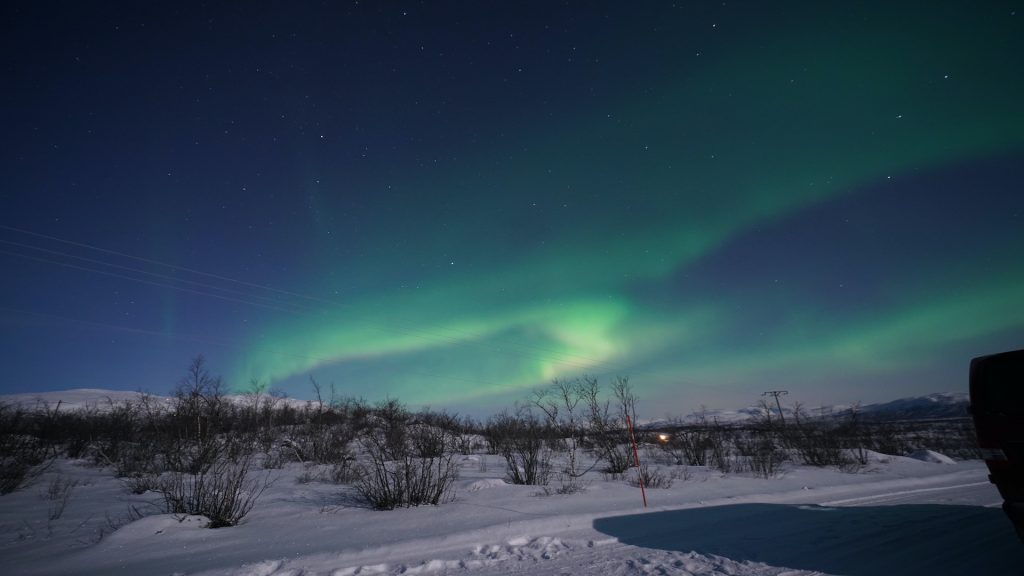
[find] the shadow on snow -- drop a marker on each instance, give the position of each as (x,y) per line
(912,540)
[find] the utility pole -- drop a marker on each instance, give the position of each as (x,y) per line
(776,394)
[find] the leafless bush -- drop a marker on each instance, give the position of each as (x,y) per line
(816,444)
(606,426)
(408,463)
(467,434)
(141,483)
(199,399)
(560,405)
(325,432)
(112,523)
(344,472)
(22,458)
(58,493)
(520,439)
(660,455)
(411,481)
(763,457)
(310,473)
(223,492)
(830,442)
(131,459)
(653,477)
(566,485)
(701,443)
(318,443)
(193,455)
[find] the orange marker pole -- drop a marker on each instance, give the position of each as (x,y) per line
(636,458)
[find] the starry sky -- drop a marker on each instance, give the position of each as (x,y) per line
(453,203)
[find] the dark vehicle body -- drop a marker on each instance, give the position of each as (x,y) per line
(997,406)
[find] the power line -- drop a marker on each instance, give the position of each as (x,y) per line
(260,286)
(567,358)
(276,304)
(157,262)
(776,394)
(143,281)
(136,270)
(227,343)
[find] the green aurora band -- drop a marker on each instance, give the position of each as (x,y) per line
(708,150)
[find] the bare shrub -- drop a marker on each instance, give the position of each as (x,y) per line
(653,477)
(344,472)
(853,464)
(141,484)
(387,485)
(704,443)
(677,469)
(200,407)
(828,442)
(317,443)
(409,463)
(816,444)
(223,492)
(310,473)
(606,427)
(682,473)
(112,523)
(467,437)
(763,457)
(327,432)
(130,460)
(22,458)
(560,405)
(520,439)
(192,455)
(701,443)
(566,485)
(58,493)
(892,438)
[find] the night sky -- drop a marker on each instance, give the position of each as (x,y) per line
(452,203)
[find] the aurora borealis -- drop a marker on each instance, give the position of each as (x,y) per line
(453,204)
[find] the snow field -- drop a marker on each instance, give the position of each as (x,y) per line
(709,524)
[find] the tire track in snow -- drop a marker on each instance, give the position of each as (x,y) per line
(551,556)
(914,495)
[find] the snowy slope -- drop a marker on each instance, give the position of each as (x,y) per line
(944,405)
(99,399)
(900,516)
(76,399)
(932,406)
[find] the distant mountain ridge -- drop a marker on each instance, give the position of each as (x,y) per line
(99,399)
(932,406)
(940,405)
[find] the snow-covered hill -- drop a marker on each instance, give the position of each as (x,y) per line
(942,405)
(76,399)
(932,406)
(99,399)
(905,516)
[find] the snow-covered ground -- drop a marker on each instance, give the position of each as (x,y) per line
(898,516)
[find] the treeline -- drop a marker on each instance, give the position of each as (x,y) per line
(209,454)
(763,444)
